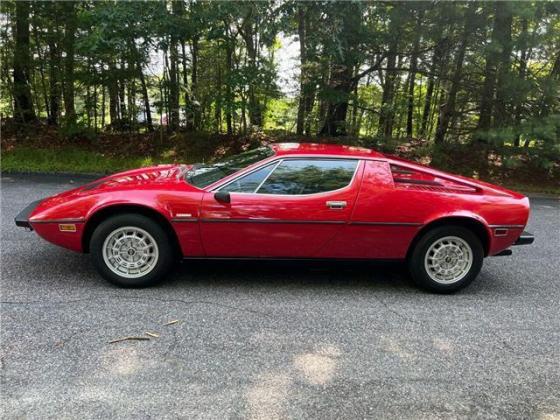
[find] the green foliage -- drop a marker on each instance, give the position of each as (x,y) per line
(68,159)
(382,73)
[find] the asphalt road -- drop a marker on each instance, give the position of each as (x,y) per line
(276,340)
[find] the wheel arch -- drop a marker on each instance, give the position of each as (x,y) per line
(114,209)
(476,226)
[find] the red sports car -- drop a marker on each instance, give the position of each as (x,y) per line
(296,201)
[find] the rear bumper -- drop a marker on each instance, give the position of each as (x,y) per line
(22,219)
(526,238)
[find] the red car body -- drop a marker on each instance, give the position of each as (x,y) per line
(388,203)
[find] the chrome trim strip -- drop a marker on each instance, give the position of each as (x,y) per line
(387,223)
(268,175)
(298,222)
(82,220)
(273,163)
(507,226)
(330,222)
(184,219)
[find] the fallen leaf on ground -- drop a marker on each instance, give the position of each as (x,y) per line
(151,334)
(128,338)
(172,322)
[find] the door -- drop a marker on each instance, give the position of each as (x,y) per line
(289,208)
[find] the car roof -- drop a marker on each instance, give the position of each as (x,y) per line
(284,149)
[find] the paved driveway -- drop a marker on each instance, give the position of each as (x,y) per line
(276,340)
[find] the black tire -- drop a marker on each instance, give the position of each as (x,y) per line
(162,264)
(416,261)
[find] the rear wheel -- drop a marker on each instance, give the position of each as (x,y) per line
(131,250)
(446,259)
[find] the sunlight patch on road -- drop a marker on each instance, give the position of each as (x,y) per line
(443,345)
(548,416)
(318,368)
(123,362)
(267,397)
(392,346)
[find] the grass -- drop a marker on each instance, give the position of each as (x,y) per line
(70,159)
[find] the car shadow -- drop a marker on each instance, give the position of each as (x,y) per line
(390,277)
(292,274)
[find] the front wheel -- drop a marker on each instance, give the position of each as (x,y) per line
(131,250)
(446,259)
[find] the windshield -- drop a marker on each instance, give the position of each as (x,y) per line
(201,175)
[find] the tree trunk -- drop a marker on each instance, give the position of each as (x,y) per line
(102,105)
(23,103)
(194,83)
(412,77)
(342,80)
(525,53)
(488,89)
(386,115)
(436,60)
(145,97)
(229,96)
(247,32)
(504,20)
(218,103)
(131,94)
(42,71)
(54,82)
(175,111)
(303,70)
(70,26)
(448,108)
(95,100)
(122,97)
(342,84)
(188,104)
(113,89)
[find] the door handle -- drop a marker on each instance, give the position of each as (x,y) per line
(336,204)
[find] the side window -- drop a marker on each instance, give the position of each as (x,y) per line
(249,183)
(311,176)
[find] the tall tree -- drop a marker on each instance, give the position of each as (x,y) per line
(448,108)
(54,80)
(412,74)
(504,18)
(492,59)
(387,112)
(23,103)
(344,59)
(70,27)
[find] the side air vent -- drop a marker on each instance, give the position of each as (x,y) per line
(406,178)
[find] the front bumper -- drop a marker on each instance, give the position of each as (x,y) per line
(22,219)
(525,238)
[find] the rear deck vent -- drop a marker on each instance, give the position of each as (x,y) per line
(407,178)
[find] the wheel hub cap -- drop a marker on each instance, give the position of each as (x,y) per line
(130,252)
(448,260)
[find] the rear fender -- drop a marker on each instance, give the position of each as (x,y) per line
(472,221)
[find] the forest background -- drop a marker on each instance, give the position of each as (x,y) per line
(100,86)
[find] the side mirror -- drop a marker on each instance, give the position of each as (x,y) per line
(222,197)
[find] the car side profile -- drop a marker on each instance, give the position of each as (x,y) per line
(286,200)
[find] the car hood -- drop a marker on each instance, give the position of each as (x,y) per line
(154,177)
(135,178)
(140,177)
